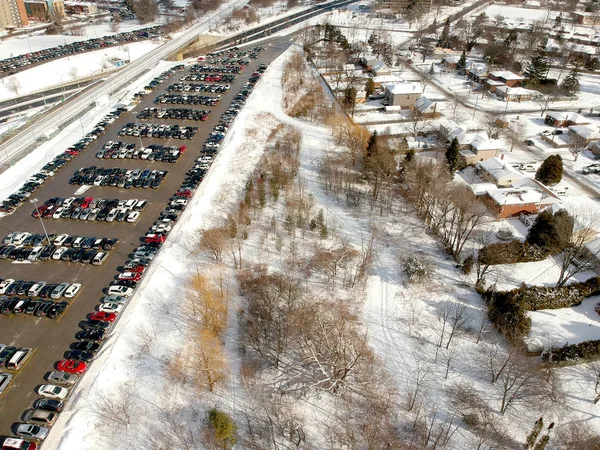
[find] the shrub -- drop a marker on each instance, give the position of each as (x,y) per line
(467,265)
(417,269)
(511,253)
(551,170)
(223,427)
(587,350)
(551,231)
(507,315)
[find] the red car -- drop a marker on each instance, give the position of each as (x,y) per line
(72,152)
(103,316)
(133,276)
(155,238)
(182,149)
(39,211)
(86,202)
(184,193)
(137,269)
(72,366)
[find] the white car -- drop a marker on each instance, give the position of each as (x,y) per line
(9,238)
(98,180)
(58,212)
(179,202)
(59,252)
(131,203)
(77,242)
(111,307)
(18,240)
(133,216)
(35,253)
(34,291)
(114,299)
(60,239)
(68,201)
(72,290)
(112,215)
(120,290)
(53,391)
(4,285)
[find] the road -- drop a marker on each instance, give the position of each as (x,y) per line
(49,337)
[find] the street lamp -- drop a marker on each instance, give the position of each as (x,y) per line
(34,201)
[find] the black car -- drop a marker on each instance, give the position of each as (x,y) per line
(24,288)
(6,354)
(109,244)
(7,305)
(87,347)
(57,309)
(79,355)
(47,290)
(32,306)
(49,404)
(126,283)
(47,252)
(43,308)
(95,325)
(88,256)
(14,287)
(91,335)
(77,254)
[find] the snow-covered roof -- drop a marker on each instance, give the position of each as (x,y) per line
(451,59)
(459,134)
(478,69)
(585,131)
(480,143)
(525,190)
(567,116)
(379,66)
(507,75)
(499,169)
(423,104)
(381,79)
(507,90)
(403,88)
(494,82)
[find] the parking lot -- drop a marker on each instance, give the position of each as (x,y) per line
(51,339)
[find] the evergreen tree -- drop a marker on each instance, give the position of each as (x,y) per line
(452,155)
(373,39)
(542,443)
(369,87)
(571,83)
(462,62)
(537,69)
(551,170)
(372,144)
(535,432)
(431,70)
(551,232)
(223,427)
(444,40)
(349,100)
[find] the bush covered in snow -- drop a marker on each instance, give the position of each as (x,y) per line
(507,310)
(511,253)
(587,350)
(417,268)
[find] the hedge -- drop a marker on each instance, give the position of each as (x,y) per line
(507,309)
(571,353)
(511,253)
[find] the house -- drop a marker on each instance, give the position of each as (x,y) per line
(583,134)
(480,148)
(559,119)
(118,62)
(526,196)
(44,10)
(425,106)
(379,69)
(514,94)
(381,80)
(80,8)
(403,94)
(478,72)
(498,172)
(508,78)
(586,18)
(440,53)
(450,61)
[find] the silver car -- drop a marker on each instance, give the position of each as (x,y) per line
(5,380)
(57,377)
(26,430)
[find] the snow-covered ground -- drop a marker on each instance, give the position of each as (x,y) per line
(65,70)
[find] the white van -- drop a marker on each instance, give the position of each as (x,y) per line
(18,359)
(100,258)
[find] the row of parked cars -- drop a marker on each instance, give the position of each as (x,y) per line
(101,209)
(38,247)
(209,77)
(235,52)
(119,177)
(16,199)
(210,68)
(199,87)
(157,81)
(174,113)
(18,63)
(156,130)
(187,99)
(153,152)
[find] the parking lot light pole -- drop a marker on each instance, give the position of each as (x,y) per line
(34,201)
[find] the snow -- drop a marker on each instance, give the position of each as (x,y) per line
(64,70)
(565,326)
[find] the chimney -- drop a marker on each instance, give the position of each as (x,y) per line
(502,156)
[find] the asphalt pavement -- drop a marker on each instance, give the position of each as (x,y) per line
(51,338)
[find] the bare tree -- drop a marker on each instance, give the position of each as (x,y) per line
(576,257)
(419,381)
(214,241)
(13,84)
(543,100)
(418,122)
(73,71)
(145,10)
(593,369)
(209,359)
(515,133)
(118,407)
(578,145)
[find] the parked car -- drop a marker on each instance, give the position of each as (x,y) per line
(53,391)
(49,404)
(72,290)
(60,377)
(26,430)
(72,366)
